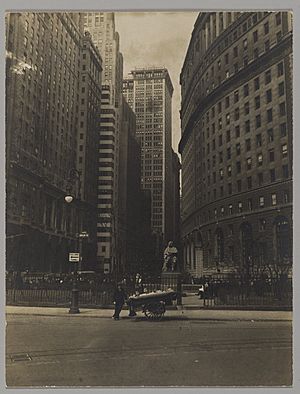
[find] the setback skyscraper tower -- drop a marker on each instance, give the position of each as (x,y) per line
(101,26)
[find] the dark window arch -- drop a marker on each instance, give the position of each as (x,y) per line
(219,246)
(282,239)
(246,240)
(198,240)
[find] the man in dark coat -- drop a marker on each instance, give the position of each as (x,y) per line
(119,300)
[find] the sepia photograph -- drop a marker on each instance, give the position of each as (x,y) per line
(149,198)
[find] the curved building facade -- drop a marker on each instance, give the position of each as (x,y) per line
(236,144)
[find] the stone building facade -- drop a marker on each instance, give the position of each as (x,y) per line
(43,68)
(236,144)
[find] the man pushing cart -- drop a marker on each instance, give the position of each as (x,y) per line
(152,304)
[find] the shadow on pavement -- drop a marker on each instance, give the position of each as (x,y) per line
(165,318)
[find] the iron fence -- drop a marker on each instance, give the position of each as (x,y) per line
(50,297)
(216,294)
(252,299)
(249,295)
(90,294)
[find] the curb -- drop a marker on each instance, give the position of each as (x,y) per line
(241,308)
(168,307)
(177,317)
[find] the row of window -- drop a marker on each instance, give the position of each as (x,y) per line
(152,144)
(245,91)
(210,84)
(228,39)
(154,173)
(242,207)
(257,104)
(149,161)
(271,152)
(248,163)
(260,180)
(149,76)
(243,184)
(254,37)
(236,65)
(157,182)
(247,129)
(258,141)
(236,68)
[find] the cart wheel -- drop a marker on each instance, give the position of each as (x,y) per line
(154,311)
(149,314)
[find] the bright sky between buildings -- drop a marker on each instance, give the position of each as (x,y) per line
(157,39)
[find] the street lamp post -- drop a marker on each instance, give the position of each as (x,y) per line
(75,293)
(74,175)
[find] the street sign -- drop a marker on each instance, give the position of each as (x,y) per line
(83,234)
(73,257)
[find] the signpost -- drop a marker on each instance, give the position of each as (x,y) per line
(74,257)
(83,234)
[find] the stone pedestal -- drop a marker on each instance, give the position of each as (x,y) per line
(172,280)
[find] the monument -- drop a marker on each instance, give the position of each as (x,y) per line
(171,275)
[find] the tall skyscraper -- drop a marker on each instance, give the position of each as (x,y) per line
(87,151)
(107,184)
(42,128)
(101,26)
(132,247)
(149,93)
(236,144)
(176,167)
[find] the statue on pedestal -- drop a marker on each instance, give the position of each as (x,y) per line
(170,258)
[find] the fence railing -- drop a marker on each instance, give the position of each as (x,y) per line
(215,296)
(46,297)
(245,299)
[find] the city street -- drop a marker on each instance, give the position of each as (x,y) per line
(149,169)
(87,351)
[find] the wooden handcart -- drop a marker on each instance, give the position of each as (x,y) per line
(153,305)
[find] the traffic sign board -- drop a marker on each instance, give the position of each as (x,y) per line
(73,257)
(83,234)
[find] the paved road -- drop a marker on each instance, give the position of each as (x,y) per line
(133,352)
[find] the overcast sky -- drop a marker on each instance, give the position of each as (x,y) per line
(157,39)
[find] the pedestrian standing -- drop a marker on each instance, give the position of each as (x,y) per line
(119,300)
(138,284)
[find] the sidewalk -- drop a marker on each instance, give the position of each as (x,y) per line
(183,313)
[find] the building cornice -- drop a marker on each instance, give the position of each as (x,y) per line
(243,215)
(236,195)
